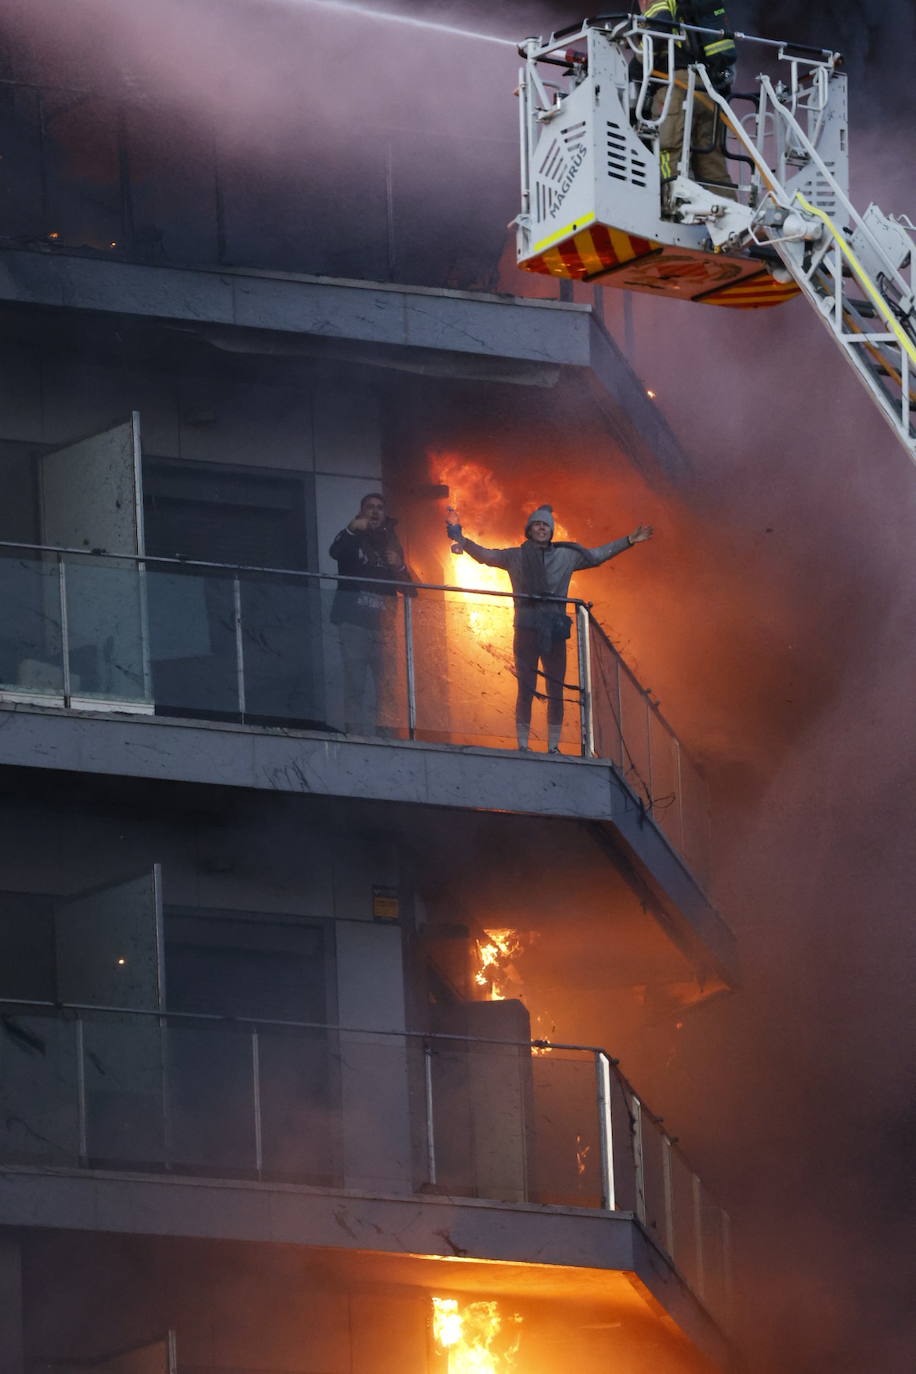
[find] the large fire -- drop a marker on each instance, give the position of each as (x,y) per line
(473,1338)
(479,503)
(480,683)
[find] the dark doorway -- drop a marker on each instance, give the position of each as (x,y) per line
(230,641)
(248,1094)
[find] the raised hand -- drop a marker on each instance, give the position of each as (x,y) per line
(453,529)
(641,533)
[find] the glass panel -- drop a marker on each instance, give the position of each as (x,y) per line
(653,1178)
(695,811)
(30,638)
(622,1121)
(211,1097)
(365,660)
(105,630)
(605,699)
(684,1217)
(468,672)
(281,650)
(192,642)
(123,1071)
(565,1145)
(376,1140)
(635,731)
(482,1118)
(715,1290)
(39,1119)
(299,1121)
(666,800)
(82,170)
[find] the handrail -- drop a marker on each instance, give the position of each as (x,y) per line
(255,1021)
(623,25)
(235,568)
(621,1130)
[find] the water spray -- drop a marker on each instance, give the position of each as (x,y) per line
(364,12)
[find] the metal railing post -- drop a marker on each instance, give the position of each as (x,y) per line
(621,748)
(639,1161)
(586,710)
(411,676)
(81,1106)
(64,629)
(239,646)
(431,1166)
(166,1093)
(727,1291)
(700,1278)
(669,1195)
(682,819)
(606,1132)
(256,1099)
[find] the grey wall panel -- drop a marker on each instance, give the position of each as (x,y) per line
(370,976)
(21,413)
(347,431)
(78,396)
(257,426)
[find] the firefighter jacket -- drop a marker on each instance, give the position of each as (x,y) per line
(718,54)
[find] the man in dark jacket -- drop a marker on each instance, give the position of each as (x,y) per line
(541,568)
(367,546)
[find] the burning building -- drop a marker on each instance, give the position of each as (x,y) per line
(309,1035)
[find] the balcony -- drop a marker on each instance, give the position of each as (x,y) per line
(434,1118)
(85,633)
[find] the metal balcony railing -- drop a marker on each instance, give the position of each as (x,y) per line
(270,647)
(394,1113)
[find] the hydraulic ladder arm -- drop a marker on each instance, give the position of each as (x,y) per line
(849,266)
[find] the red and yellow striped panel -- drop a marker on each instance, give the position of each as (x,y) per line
(589,253)
(754,293)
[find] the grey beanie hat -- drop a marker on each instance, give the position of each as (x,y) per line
(544,513)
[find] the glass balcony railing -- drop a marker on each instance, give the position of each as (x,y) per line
(427,663)
(327,1106)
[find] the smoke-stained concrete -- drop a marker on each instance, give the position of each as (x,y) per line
(794,1092)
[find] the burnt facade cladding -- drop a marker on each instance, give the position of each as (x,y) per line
(303,1026)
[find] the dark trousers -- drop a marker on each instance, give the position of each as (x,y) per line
(528,651)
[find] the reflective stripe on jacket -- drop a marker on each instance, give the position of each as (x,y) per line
(705,14)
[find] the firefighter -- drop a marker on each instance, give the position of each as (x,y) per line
(717,54)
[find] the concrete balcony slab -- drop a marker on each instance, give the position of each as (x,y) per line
(402,773)
(504,1249)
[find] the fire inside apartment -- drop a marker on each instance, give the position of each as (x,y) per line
(320,1039)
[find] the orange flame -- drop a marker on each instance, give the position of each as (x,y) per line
(495,970)
(478,499)
(472,1336)
(582,1153)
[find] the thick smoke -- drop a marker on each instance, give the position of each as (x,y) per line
(792,1095)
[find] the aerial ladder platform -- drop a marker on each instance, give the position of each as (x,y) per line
(596,207)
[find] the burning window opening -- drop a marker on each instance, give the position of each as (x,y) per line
(496,971)
(473,1338)
(477,496)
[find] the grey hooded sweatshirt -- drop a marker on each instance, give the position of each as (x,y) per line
(560,562)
